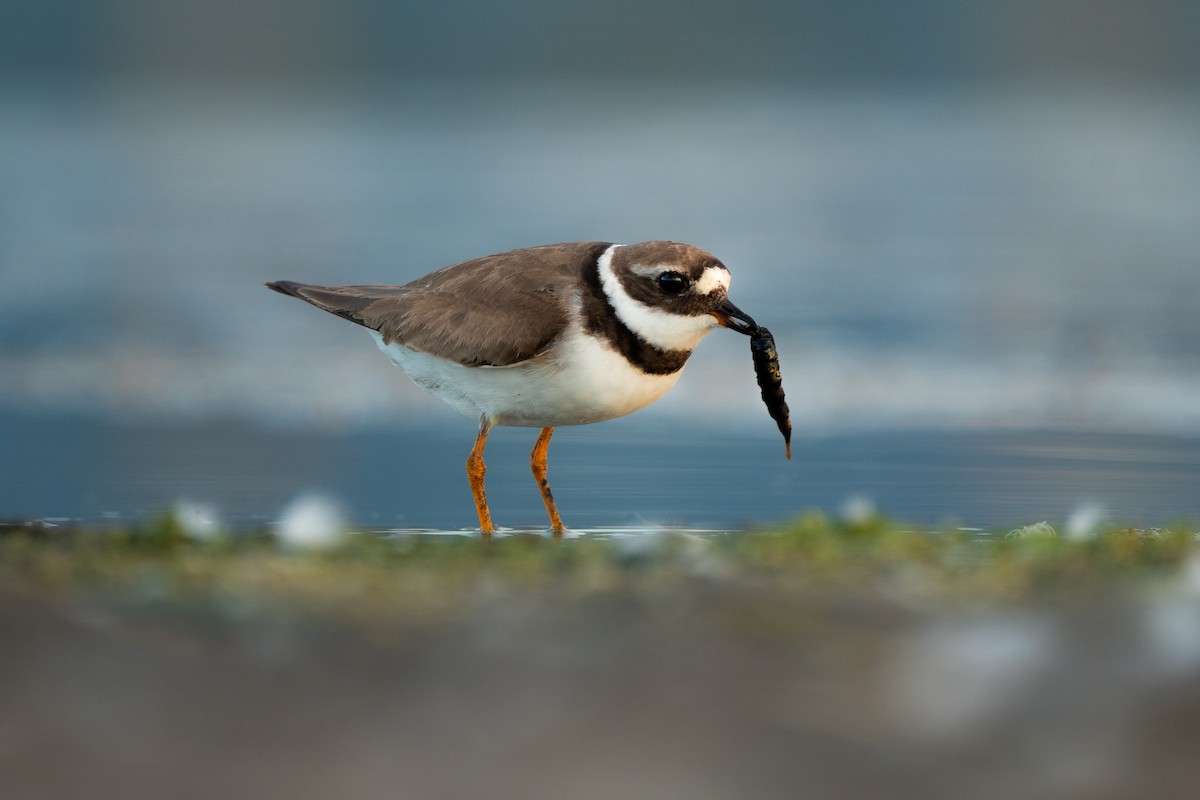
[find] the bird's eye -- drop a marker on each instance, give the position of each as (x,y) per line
(672,282)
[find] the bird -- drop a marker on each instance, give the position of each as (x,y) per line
(543,337)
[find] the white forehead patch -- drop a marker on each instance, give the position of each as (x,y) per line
(664,330)
(713,279)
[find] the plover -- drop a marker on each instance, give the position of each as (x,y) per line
(561,334)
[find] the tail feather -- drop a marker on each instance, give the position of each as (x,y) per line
(290,288)
(342,303)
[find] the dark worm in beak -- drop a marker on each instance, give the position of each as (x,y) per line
(766,365)
(770,382)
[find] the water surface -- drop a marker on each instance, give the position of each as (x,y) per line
(624,473)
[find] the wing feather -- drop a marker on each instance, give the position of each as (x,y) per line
(497,310)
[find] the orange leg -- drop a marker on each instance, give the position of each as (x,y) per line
(475,472)
(537,462)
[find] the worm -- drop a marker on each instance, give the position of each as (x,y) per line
(766,370)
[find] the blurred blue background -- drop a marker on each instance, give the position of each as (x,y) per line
(966,217)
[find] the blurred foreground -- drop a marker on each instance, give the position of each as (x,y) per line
(849,659)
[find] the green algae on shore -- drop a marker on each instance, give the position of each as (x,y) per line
(364,577)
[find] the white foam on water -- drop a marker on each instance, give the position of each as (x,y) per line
(311,521)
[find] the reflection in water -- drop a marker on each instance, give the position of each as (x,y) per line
(546,533)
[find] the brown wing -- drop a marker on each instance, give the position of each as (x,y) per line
(492,311)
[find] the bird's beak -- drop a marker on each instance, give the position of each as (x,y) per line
(732,317)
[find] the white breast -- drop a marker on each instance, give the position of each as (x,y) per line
(580,380)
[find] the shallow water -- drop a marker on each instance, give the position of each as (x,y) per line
(619,475)
(604,532)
